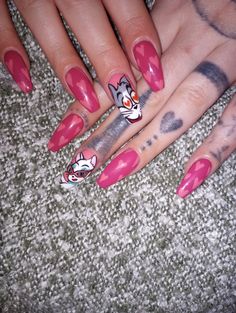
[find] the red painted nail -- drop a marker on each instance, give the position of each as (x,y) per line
(125,98)
(67,130)
(195,176)
(18,70)
(121,166)
(82,89)
(149,64)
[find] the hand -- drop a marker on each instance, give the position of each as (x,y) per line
(199,47)
(90,24)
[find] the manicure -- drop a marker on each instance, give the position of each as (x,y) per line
(195,176)
(149,64)
(125,98)
(80,167)
(67,130)
(18,70)
(121,166)
(82,89)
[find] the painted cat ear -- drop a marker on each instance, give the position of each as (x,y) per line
(124,80)
(112,89)
(79,157)
(94,160)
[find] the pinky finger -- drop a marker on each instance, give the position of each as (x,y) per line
(212,153)
(12,53)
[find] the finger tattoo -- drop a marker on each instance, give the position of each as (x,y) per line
(214,73)
(221,18)
(169,123)
(103,142)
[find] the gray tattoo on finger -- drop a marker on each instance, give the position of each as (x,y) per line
(221,18)
(169,123)
(218,154)
(103,142)
(214,74)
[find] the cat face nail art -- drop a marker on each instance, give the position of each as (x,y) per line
(125,98)
(79,168)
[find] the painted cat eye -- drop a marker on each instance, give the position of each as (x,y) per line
(134,97)
(127,103)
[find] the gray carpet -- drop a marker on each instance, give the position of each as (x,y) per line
(135,248)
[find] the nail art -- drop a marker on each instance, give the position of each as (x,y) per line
(149,64)
(80,167)
(18,70)
(82,89)
(121,166)
(195,176)
(125,98)
(66,131)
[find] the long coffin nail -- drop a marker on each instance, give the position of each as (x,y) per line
(82,89)
(121,166)
(149,64)
(125,98)
(80,167)
(66,131)
(18,70)
(195,176)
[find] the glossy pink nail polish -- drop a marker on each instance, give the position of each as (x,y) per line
(125,98)
(18,70)
(121,166)
(67,130)
(195,176)
(149,64)
(82,89)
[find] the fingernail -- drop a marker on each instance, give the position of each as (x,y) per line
(195,176)
(66,131)
(82,89)
(18,70)
(149,64)
(125,98)
(80,167)
(121,166)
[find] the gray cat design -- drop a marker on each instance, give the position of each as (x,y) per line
(126,100)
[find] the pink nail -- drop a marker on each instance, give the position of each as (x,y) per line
(66,131)
(149,64)
(125,98)
(80,167)
(18,70)
(195,176)
(121,166)
(82,89)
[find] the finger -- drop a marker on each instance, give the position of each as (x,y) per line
(212,153)
(140,39)
(150,102)
(45,23)
(185,106)
(104,52)
(12,53)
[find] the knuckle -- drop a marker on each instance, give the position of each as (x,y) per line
(194,95)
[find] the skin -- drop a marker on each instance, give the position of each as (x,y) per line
(102,48)
(196,73)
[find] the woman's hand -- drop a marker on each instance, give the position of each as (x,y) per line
(199,48)
(90,23)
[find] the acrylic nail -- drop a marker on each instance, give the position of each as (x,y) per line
(82,89)
(18,70)
(125,98)
(66,131)
(121,166)
(80,167)
(195,176)
(149,64)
